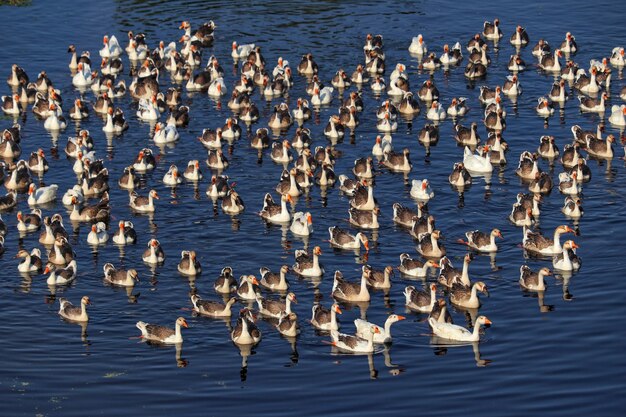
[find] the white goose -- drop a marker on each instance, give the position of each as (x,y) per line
(457,333)
(383,335)
(41,195)
(479,163)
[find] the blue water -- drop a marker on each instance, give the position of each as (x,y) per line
(566,359)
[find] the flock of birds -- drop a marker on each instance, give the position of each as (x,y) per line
(305,167)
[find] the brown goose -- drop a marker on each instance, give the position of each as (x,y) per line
(288,324)
(189,264)
(424,224)
(537,243)
(397,161)
(74,313)
(98,212)
(440,312)
(8,201)
(225,282)
(211,308)
(404,216)
(364,168)
(245,332)
(351,291)
(32,261)
(450,275)
(429,245)
(143,204)
(274,281)
(547,147)
(232,203)
(467,136)
(542,184)
(325,319)
(421,301)
(521,216)
(364,219)
(29,222)
(378,278)
(459,177)
(415,268)
(482,242)
(120,277)
(600,148)
(571,155)
(531,280)
(61,253)
(527,168)
(154,254)
(463,296)
(276,213)
(363,197)
(162,334)
(288,184)
(307,265)
(341,238)
(247,289)
(128,178)
(274,308)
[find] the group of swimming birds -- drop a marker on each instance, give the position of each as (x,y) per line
(311,167)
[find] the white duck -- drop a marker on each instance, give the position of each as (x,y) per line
(457,333)
(302,224)
(165,133)
(477,163)
(418,46)
(618,115)
(322,97)
(41,195)
(148,109)
(420,190)
(436,112)
(363,328)
(98,234)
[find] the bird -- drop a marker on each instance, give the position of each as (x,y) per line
(245,332)
(429,245)
(482,242)
(302,224)
(354,344)
(308,265)
(531,280)
(567,260)
(74,313)
(154,254)
(466,297)
(189,264)
(450,275)
(212,308)
(420,301)
(350,291)
(120,277)
(143,204)
(274,308)
(32,261)
(246,288)
(537,243)
(41,195)
(325,319)
(60,276)
(420,190)
(363,327)
(162,334)
(457,333)
(414,268)
(98,234)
